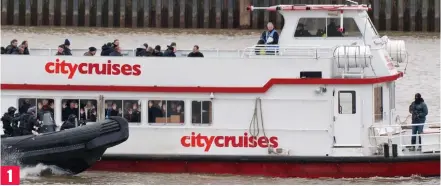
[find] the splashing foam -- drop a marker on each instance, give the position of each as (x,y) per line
(41,170)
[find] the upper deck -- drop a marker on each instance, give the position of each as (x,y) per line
(357,52)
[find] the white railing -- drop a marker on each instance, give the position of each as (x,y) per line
(257,51)
(309,52)
(401,135)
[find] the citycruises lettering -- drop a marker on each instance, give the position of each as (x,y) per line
(70,69)
(245,141)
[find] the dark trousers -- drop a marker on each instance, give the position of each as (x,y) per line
(417,129)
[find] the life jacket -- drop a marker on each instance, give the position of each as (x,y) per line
(270,47)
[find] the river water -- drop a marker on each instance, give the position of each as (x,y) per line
(422,75)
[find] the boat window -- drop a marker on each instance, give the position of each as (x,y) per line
(346,102)
(326,27)
(84,109)
(378,103)
(43,104)
(128,109)
(201,112)
(166,111)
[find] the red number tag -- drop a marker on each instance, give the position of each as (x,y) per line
(10,175)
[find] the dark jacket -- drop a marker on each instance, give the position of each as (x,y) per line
(195,54)
(106,49)
(12,50)
(169,53)
(115,53)
(154,112)
(419,111)
(67,51)
(158,53)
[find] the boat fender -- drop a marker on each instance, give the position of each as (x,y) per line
(394,150)
(386,150)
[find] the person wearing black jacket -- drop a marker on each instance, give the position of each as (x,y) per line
(8,121)
(195,52)
(66,48)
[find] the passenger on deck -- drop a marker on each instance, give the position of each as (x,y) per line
(91,52)
(195,52)
(419,111)
(60,51)
(69,123)
(12,48)
(170,51)
(142,51)
(3,50)
(106,49)
(66,48)
(115,43)
(301,31)
(116,52)
(270,37)
(24,45)
(28,121)
(157,51)
(8,121)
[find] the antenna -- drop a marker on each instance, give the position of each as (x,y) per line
(350,2)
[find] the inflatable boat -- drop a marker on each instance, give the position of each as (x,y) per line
(73,150)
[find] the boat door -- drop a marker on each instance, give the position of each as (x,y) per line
(347,118)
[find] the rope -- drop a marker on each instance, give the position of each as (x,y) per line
(398,120)
(255,125)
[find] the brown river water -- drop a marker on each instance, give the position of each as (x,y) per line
(422,75)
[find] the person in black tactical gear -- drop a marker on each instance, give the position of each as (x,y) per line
(8,121)
(28,121)
(69,123)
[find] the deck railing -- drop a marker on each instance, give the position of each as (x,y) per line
(401,135)
(257,51)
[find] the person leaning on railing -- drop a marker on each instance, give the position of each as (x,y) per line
(419,111)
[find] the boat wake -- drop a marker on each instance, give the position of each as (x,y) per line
(41,170)
(38,170)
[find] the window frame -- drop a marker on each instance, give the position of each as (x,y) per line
(166,101)
(326,29)
(202,124)
(353,101)
(140,101)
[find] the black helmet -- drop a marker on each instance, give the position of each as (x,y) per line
(11,110)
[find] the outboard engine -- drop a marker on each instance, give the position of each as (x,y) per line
(48,124)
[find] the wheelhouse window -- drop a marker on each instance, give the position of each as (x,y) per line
(83,109)
(346,102)
(43,104)
(128,109)
(166,111)
(326,27)
(201,112)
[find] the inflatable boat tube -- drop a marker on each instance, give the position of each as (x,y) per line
(73,150)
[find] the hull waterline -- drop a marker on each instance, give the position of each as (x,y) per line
(277,166)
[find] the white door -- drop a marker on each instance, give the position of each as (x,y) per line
(347,118)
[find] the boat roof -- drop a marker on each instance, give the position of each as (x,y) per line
(311,7)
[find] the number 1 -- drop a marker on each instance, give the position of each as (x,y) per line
(9,175)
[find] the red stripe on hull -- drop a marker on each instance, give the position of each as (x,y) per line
(266,87)
(277,169)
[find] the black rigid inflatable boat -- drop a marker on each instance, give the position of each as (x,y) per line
(74,150)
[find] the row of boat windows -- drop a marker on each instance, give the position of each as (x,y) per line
(159,111)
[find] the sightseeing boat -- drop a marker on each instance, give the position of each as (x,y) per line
(315,106)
